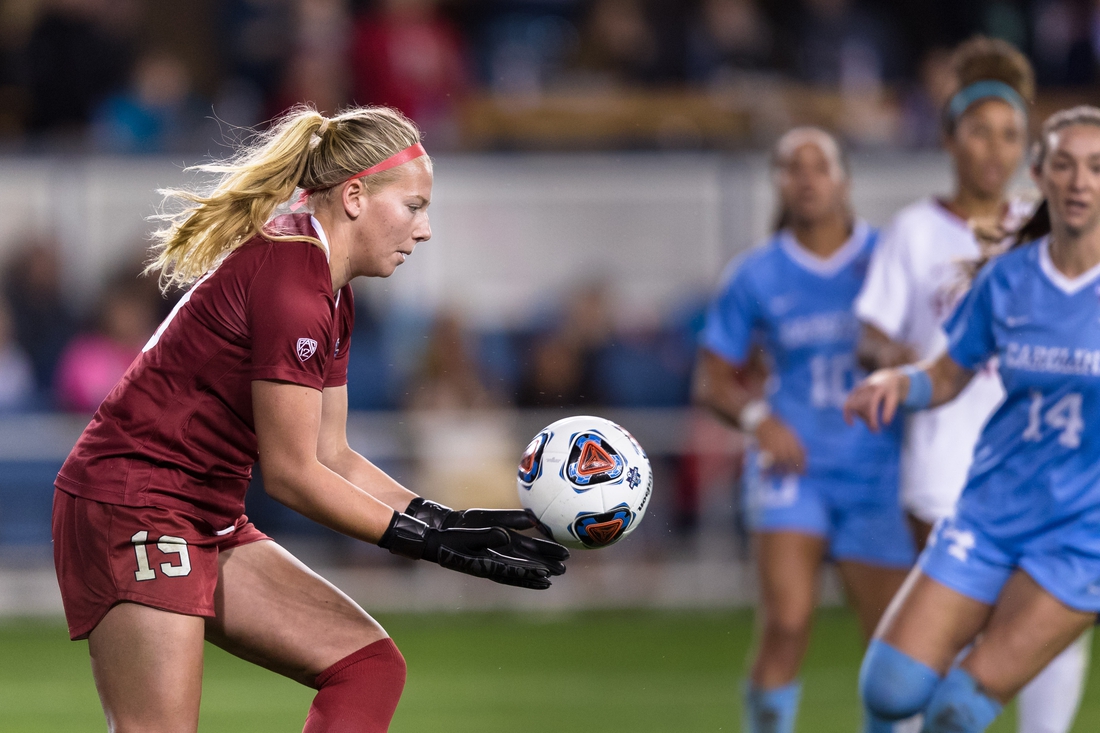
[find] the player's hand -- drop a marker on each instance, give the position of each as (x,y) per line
(875,400)
(547,552)
(438,516)
(494,552)
(780,449)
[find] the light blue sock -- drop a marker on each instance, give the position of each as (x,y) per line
(893,685)
(959,706)
(771,711)
(874,724)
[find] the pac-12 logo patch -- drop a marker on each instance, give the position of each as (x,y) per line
(306,348)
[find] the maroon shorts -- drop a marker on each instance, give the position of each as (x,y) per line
(105,554)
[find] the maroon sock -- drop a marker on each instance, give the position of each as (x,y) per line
(360,692)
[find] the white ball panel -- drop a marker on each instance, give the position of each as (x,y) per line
(556,501)
(559,516)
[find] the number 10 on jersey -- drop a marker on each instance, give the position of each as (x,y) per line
(830,377)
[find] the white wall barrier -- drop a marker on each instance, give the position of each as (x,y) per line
(478,452)
(511,232)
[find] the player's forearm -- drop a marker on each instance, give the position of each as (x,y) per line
(870,354)
(876,350)
(327,498)
(359,471)
(725,405)
(946,377)
(715,387)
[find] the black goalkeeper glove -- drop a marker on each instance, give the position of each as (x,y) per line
(442,517)
(488,552)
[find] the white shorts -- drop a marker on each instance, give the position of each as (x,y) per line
(939,447)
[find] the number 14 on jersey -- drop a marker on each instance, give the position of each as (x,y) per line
(1064,416)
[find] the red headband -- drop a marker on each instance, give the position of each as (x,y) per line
(410,153)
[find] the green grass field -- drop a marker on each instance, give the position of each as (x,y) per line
(635,671)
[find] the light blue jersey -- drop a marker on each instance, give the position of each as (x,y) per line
(798,307)
(1032,499)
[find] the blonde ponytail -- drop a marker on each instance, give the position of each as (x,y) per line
(302,149)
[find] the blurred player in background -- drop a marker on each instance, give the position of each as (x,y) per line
(152,549)
(815,488)
(911,287)
(1016,571)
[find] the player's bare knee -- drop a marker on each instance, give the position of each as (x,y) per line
(990,676)
(142,724)
(364,633)
(145,728)
(154,714)
(788,627)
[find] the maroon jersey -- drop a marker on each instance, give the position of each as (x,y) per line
(177,431)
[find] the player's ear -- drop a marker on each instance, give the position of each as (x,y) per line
(844,195)
(947,140)
(352,196)
(1036,170)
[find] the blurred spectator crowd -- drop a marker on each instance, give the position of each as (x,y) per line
(51,356)
(157,76)
(454,383)
(54,357)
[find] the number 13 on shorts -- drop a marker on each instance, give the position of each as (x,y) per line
(167,545)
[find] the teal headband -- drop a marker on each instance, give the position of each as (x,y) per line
(985,89)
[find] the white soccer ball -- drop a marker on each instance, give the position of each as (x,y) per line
(586,480)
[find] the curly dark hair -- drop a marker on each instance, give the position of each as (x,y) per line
(982,58)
